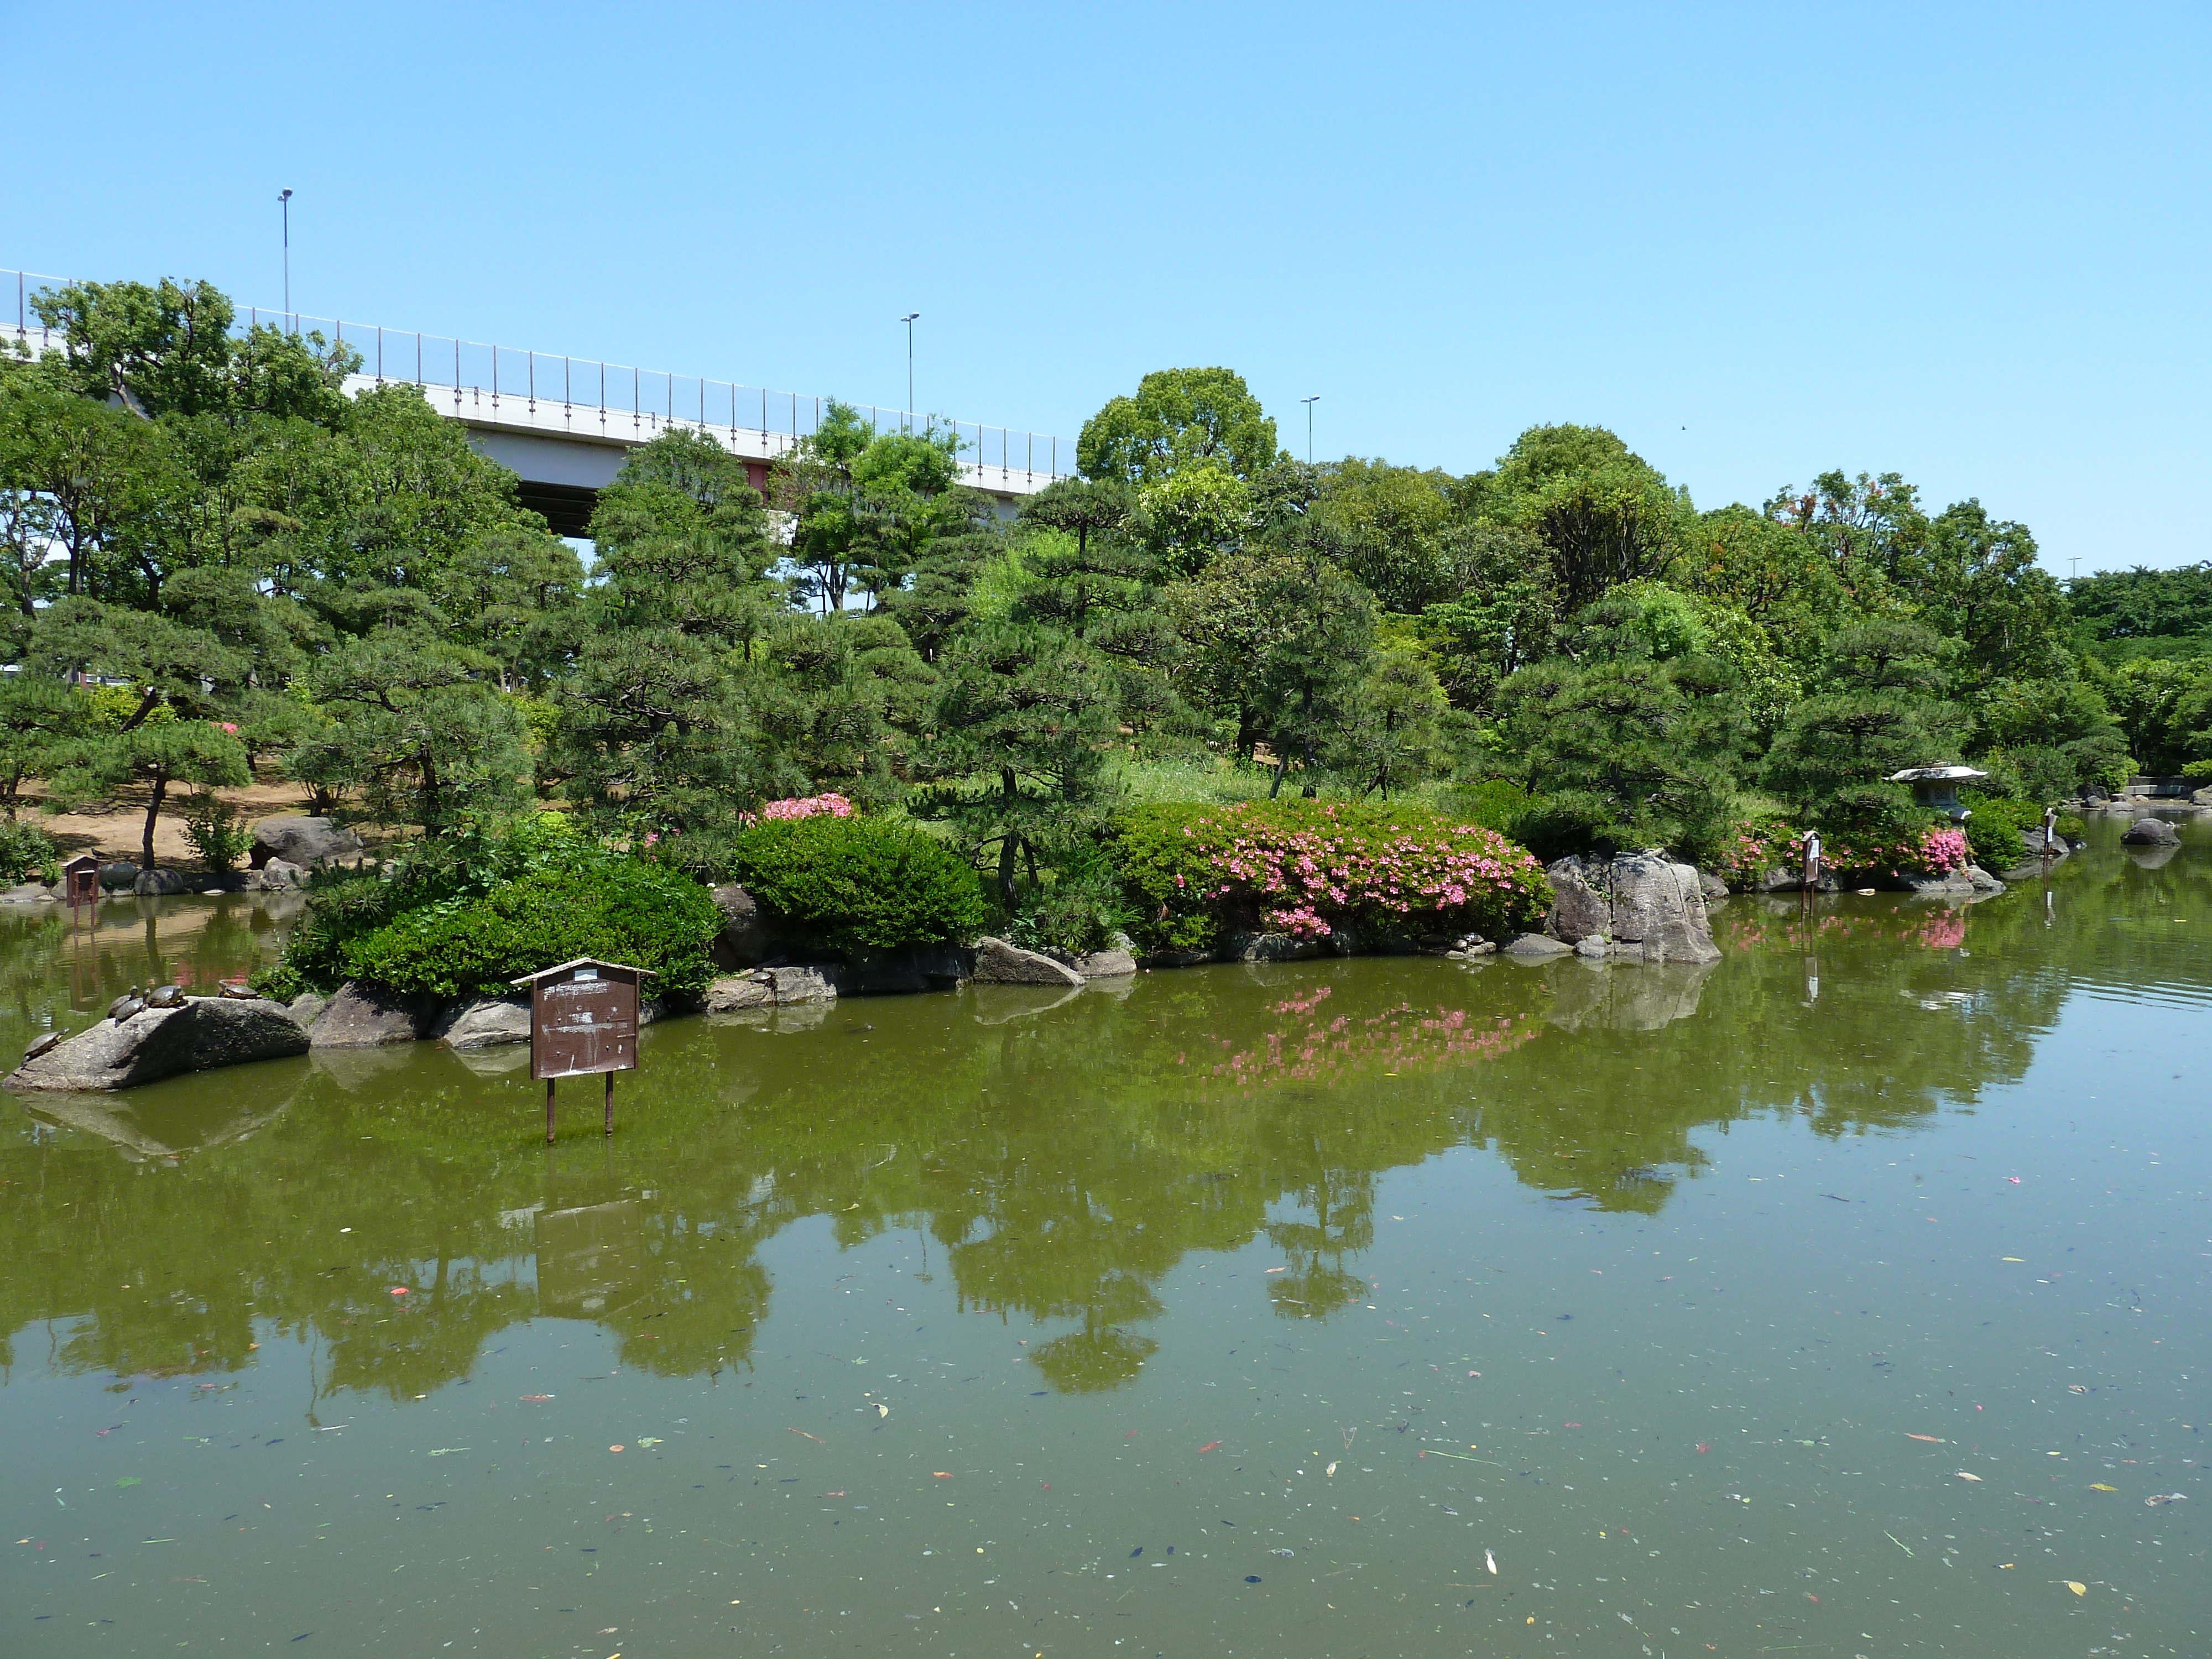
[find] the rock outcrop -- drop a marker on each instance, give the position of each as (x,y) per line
(309,842)
(735,992)
(484,1022)
(998,962)
(2150,832)
(1968,881)
(364,1016)
(1645,907)
(198,1035)
(747,939)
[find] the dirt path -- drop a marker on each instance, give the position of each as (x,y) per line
(115,831)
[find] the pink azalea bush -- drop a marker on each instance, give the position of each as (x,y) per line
(1768,844)
(1305,868)
(805,806)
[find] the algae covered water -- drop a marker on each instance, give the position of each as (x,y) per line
(1848,1298)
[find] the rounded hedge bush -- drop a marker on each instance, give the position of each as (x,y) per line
(860,883)
(618,909)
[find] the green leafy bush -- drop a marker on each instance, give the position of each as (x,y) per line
(1993,830)
(277,982)
(1305,867)
(621,909)
(28,853)
(1495,804)
(534,890)
(2198,771)
(1077,907)
(860,883)
(216,833)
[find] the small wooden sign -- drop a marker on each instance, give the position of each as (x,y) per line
(583,1020)
(82,877)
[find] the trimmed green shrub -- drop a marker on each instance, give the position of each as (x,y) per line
(467,912)
(620,909)
(1305,867)
(28,853)
(2198,771)
(1993,830)
(859,883)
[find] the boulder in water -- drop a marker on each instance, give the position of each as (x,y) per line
(203,1033)
(360,1015)
(2150,832)
(483,1023)
(1641,899)
(998,962)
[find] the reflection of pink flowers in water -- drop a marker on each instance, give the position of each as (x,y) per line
(803,806)
(1395,1040)
(1943,930)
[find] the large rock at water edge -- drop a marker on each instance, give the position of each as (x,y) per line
(735,992)
(161,884)
(483,1023)
(1111,963)
(746,938)
(309,842)
(1537,947)
(1640,899)
(2150,832)
(364,1016)
(998,962)
(203,1033)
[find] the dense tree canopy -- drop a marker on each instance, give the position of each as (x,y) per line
(213,559)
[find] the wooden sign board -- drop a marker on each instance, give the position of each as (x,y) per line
(583,1020)
(82,876)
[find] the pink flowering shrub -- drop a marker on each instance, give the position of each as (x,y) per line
(1306,868)
(1768,844)
(805,806)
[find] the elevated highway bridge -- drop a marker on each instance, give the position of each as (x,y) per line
(564,425)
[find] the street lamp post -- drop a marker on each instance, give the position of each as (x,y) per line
(284,201)
(1310,402)
(908,321)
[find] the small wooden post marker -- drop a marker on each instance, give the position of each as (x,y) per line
(583,1019)
(82,875)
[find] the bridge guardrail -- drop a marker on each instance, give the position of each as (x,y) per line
(650,400)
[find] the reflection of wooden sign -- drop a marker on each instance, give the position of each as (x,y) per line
(82,875)
(588,1258)
(583,1019)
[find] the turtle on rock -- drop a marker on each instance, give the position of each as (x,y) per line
(126,1005)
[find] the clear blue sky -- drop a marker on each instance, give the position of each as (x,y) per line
(1966,243)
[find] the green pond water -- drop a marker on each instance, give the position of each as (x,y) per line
(1377,1307)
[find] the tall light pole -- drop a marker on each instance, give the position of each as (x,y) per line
(284,201)
(908,321)
(1310,402)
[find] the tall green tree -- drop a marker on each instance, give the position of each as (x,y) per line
(1016,744)
(1607,516)
(1878,713)
(1179,419)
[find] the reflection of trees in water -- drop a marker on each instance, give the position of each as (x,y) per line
(1065,1161)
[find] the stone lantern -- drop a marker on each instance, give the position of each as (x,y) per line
(1937,787)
